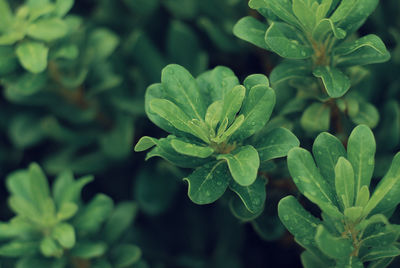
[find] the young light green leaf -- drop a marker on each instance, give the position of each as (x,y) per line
(64,234)
(47,29)
(353,214)
(366,50)
(316,118)
(231,130)
(334,247)
(66,211)
(232,102)
(252,196)
(387,192)
(39,187)
(191,149)
(18,249)
(243,164)
(323,9)
(213,114)
(361,154)
(303,11)
(257,109)
(32,56)
(308,179)
(336,83)
(325,28)
(363,196)
(327,149)
(176,117)
(6,16)
(208,183)
(276,143)
(145,143)
(63,7)
(181,87)
(287,42)
(251,30)
(283,10)
(50,248)
(344,182)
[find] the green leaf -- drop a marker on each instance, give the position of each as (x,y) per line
(18,248)
(216,83)
(231,130)
(325,28)
(214,114)
(353,214)
(191,149)
(17,184)
(276,143)
(383,238)
(243,164)
(240,211)
(6,16)
(257,109)
(66,190)
(125,255)
(63,7)
(298,221)
(29,84)
(67,211)
(145,143)
(380,253)
(361,154)
(303,11)
(344,182)
(287,42)
(208,183)
(39,187)
(251,30)
(94,214)
(8,59)
(32,56)
(182,89)
(316,118)
(363,196)
(334,247)
(387,192)
(367,114)
(255,80)
(120,221)
(351,14)
(177,118)
(366,50)
(336,83)
(89,250)
(47,29)
(102,43)
(64,233)
(327,149)
(323,9)
(288,70)
(232,102)
(308,260)
(282,9)
(50,248)
(252,196)
(380,263)
(308,179)
(25,131)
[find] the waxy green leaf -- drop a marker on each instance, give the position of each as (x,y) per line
(304,13)
(287,42)
(276,143)
(325,29)
(361,154)
(208,183)
(316,118)
(32,56)
(344,182)
(327,149)
(64,234)
(308,179)
(251,30)
(257,109)
(243,164)
(366,50)
(334,247)
(47,29)
(252,196)
(191,149)
(336,83)
(232,102)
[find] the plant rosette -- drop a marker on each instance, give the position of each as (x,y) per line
(354,228)
(211,120)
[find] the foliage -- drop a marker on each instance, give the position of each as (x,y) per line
(54,228)
(354,228)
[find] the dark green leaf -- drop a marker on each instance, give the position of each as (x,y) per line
(251,30)
(252,196)
(336,83)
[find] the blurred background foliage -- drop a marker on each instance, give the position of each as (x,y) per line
(85,112)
